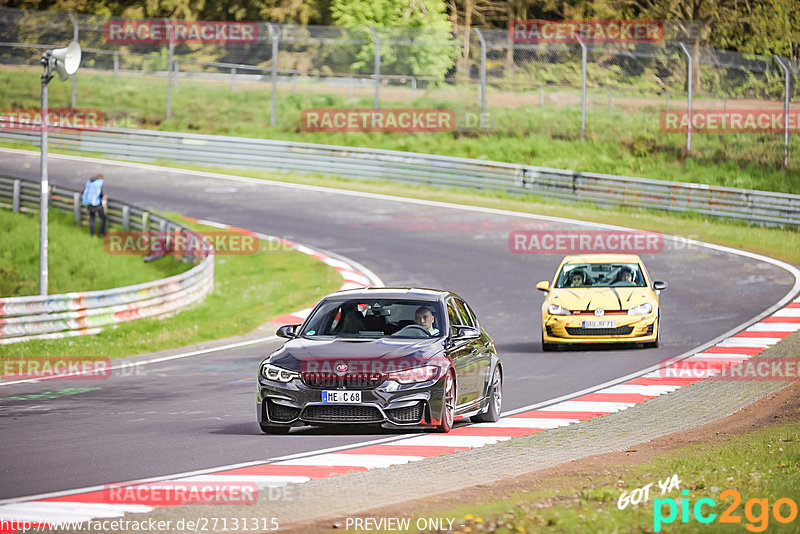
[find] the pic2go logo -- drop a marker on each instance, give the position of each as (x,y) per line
(756,511)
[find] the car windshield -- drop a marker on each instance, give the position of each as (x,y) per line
(600,275)
(375,318)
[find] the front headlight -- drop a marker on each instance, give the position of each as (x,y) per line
(641,309)
(415,374)
(555,309)
(278,374)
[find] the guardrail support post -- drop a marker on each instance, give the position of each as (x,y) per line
(116,65)
(583,89)
(610,98)
(76,208)
(413,88)
(162,225)
(787,88)
(377,68)
(145,221)
(233,79)
(75,33)
(126,218)
(541,96)
(482,85)
(169,67)
(15,196)
(690,63)
(275,37)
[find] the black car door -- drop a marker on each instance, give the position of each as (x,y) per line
(462,354)
(480,357)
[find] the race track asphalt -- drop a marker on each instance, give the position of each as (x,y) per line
(199,412)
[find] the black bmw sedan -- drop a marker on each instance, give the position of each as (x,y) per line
(398,357)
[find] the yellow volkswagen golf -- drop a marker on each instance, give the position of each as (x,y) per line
(600,298)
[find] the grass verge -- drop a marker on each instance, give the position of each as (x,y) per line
(626,140)
(762,465)
(77,261)
(249,290)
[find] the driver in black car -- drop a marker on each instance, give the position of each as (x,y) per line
(424,317)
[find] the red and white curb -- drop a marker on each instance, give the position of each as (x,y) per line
(355,275)
(84,505)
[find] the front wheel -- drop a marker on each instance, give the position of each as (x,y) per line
(448,405)
(548,347)
(492,413)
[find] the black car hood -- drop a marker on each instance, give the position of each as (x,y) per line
(391,353)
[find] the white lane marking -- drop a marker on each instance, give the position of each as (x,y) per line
(787,312)
(355,278)
(260,480)
(647,389)
(754,342)
(722,356)
(774,327)
(352,460)
(449,440)
(43,512)
(528,422)
(157,360)
(588,406)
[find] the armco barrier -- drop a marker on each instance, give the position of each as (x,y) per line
(79,313)
(761,207)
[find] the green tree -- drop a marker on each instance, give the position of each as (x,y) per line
(416,35)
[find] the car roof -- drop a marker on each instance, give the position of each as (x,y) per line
(391,292)
(603,258)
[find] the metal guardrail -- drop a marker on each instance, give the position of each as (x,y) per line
(762,207)
(80,313)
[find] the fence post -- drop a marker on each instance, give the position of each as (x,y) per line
(233,79)
(610,98)
(583,86)
(788,75)
(116,65)
(15,196)
(275,37)
(541,96)
(126,217)
(176,67)
(414,87)
(75,33)
(76,208)
(690,61)
(145,221)
(482,86)
(377,68)
(169,67)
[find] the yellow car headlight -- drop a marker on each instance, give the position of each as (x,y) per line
(641,309)
(555,309)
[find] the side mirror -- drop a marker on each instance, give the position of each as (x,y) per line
(287,331)
(544,285)
(658,286)
(464,333)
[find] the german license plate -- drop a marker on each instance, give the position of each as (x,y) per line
(341,397)
(599,324)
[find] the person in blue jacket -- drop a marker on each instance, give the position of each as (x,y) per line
(93,198)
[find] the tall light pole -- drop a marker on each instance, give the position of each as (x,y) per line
(64,61)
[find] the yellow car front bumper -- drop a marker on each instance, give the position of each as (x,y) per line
(627,329)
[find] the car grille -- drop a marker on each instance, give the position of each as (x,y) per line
(619,331)
(650,329)
(409,414)
(278,412)
(549,330)
(331,381)
(341,414)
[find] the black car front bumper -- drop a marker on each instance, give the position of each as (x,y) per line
(390,404)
